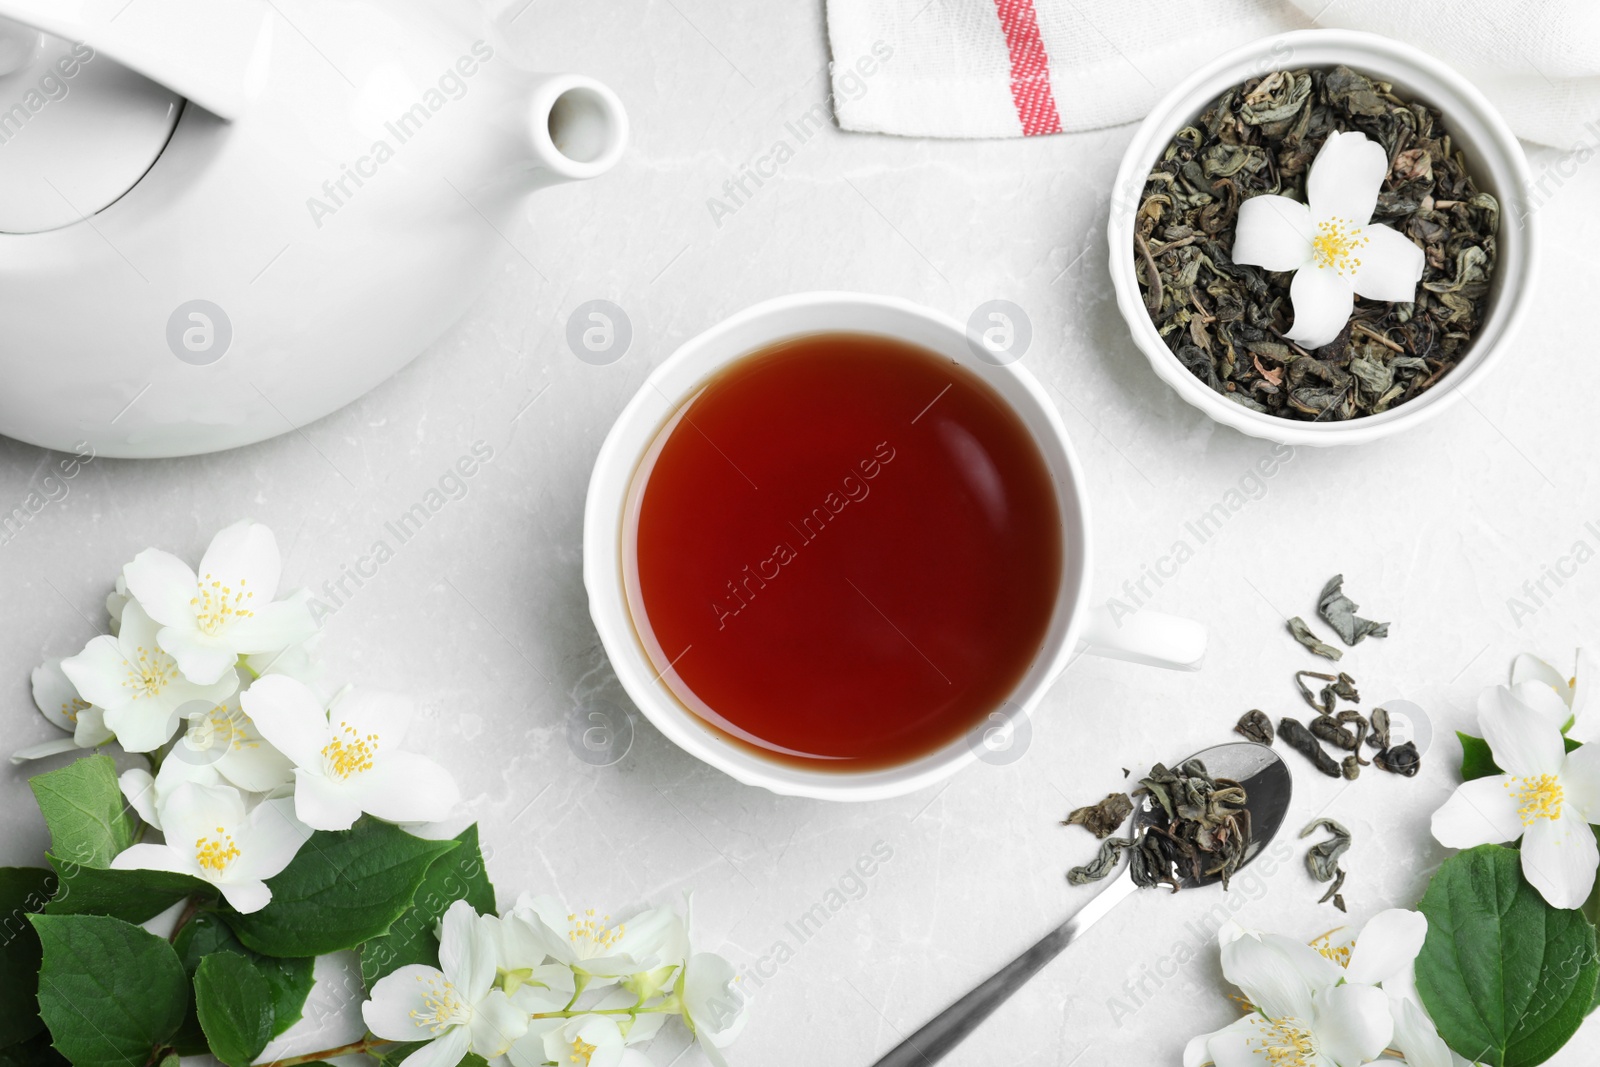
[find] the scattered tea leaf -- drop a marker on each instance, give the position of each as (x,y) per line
(1339,612)
(1103,864)
(1344,687)
(1401,759)
(1322,859)
(1337,730)
(1350,767)
(1255,725)
(1313,643)
(1340,687)
(1379,737)
(1297,737)
(1321,703)
(1102,819)
(1333,893)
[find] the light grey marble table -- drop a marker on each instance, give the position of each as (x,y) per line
(482,613)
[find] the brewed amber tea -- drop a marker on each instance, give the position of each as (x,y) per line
(843,548)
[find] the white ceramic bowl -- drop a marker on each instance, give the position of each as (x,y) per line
(1148,637)
(1496,162)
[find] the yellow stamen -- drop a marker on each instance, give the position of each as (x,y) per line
(582,1051)
(1336,243)
(1283,1043)
(349,753)
(150,672)
(215,604)
(591,935)
(214,854)
(1538,798)
(1339,954)
(442,1006)
(71,708)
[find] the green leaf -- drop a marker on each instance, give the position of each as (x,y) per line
(1476,759)
(235,1007)
(1506,977)
(136,896)
(83,807)
(23,892)
(35,1052)
(457,875)
(394,1055)
(289,980)
(109,992)
(341,889)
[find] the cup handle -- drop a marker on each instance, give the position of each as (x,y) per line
(1146,637)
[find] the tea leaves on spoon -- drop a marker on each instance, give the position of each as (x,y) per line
(1202,831)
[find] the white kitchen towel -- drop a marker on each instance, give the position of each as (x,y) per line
(1008,68)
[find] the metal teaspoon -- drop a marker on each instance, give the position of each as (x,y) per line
(1267,787)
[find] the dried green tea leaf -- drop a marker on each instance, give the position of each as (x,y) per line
(1207,830)
(1401,759)
(1346,730)
(1380,729)
(1333,893)
(1103,864)
(1297,737)
(1313,643)
(1255,726)
(1102,819)
(1340,687)
(1322,703)
(1339,612)
(1322,859)
(1351,768)
(1225,322)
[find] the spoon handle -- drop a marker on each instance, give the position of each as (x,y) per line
(950,1027)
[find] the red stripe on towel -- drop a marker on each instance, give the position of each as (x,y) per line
(1030,68)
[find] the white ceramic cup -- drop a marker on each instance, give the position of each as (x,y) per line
(1146,637)
(1494,159)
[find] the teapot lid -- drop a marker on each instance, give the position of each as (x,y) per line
(77,129)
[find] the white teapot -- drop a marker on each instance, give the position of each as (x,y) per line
(223,219)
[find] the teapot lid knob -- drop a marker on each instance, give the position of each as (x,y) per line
(77,129)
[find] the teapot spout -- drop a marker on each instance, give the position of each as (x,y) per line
(577,126)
